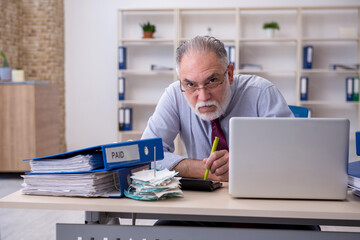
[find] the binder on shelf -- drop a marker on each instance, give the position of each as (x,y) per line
(308,57)
(121,88)
(349,88)
(93,184)
(230,50)
(106,157)
(304,88)
(355,89)
(122,57)
(128,119)
(121,119)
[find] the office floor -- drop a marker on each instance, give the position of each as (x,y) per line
(33,224)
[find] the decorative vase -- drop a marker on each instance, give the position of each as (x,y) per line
(5,74)
(148,35)
(270,32)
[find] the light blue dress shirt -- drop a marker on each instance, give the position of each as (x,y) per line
(251,96)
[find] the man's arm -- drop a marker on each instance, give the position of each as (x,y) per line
(218,162)
(164,123)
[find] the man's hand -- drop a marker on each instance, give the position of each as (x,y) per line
(218,163)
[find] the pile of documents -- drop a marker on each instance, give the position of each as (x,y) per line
(154,185)
(98,171)
(78,163)
(354,177)
(93,184)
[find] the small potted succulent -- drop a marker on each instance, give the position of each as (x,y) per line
(270,28)
(5,70)
(148,29)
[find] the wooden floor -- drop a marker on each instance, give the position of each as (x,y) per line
(28,224)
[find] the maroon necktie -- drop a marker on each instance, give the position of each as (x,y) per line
(217,131)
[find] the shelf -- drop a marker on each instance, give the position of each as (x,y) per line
(146,72)
(224,40)
(331,32)
(267,39)
(146,41)
(273,71)
(137,103)
(133,132)
(329,103)
(328,71)
(331,39)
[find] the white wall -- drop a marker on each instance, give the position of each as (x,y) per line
(91,60)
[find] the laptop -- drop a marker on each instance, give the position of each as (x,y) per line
(288,158)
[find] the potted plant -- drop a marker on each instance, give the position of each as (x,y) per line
(270,28)
(5,71)
(148,29)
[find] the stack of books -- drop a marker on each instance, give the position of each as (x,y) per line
(100,171)
(154,185)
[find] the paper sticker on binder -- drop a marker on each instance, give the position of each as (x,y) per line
(122,57)
(308,57)
(304,81)
(349,89)
(121,88)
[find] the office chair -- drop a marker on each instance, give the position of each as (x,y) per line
(300,112)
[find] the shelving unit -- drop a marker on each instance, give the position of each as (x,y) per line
(280,57)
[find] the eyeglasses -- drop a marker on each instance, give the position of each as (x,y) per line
(210,84)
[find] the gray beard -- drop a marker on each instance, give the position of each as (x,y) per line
(220,107)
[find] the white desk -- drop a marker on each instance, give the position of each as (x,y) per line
(205,206)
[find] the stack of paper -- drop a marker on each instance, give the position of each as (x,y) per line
(154,185)
(77,163)
(85,184)
(354,177)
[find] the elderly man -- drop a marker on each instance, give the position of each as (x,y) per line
(200,105)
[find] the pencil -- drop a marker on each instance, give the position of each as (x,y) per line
(213,149)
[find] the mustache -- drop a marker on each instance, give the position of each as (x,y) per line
(207,103)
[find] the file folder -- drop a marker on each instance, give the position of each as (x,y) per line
(230,50)
(114,155)
(121,88)
(304,82)
(349,89)
(355,89)
(308,57)
(121,119)
(128,119)
(122,57)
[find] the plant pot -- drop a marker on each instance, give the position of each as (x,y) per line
(5,74)
(270,32)
(148,34)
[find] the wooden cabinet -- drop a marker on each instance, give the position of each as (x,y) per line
(29,123)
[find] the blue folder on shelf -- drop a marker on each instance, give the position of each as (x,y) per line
(103,157)
(308,57)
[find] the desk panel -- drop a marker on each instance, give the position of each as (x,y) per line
(214,206)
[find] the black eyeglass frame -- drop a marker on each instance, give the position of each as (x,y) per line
(206,86)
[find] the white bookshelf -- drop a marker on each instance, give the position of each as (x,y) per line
(280,57)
